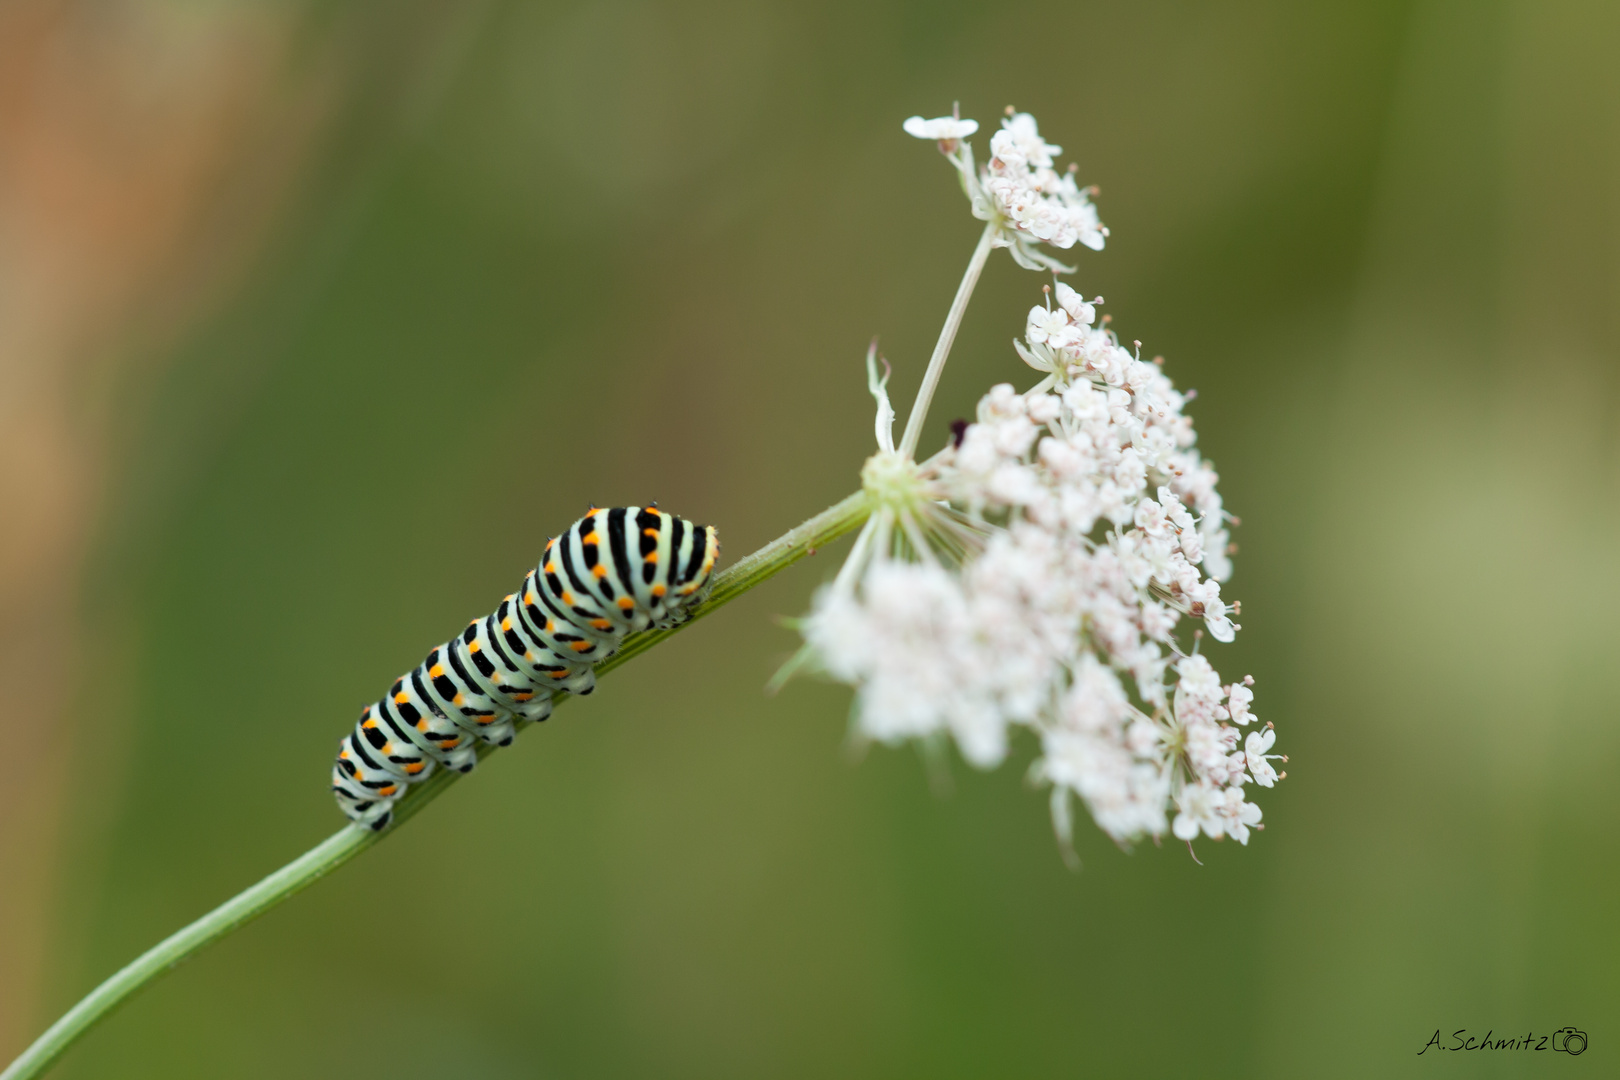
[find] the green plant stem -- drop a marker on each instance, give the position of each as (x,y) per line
(350,841)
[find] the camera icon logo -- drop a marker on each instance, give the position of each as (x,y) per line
(1569,1040)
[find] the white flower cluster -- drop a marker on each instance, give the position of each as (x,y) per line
(1020,188)
(1033,567)
(1034,573)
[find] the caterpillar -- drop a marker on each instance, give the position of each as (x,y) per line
(612,573)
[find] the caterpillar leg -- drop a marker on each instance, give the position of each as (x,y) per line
(364,807)
(501,729)
(581,683)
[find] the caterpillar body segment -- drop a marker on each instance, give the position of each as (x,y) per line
(613,573)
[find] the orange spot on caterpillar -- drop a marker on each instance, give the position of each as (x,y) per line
(415,767)
(473,647)
(580,646)
(652,556)
(649,532)
(659,590)
(626,603)
(590,538)
(603,624)
(600,570)
(389,790)
(436,670)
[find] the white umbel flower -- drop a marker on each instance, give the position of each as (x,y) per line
(1020,189)
(1022,575)
(1054,569)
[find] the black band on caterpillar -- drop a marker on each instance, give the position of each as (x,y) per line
(611,574)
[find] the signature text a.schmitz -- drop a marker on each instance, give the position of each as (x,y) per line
(1566,1040)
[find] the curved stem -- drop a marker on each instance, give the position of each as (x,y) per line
(351,840)
(947,335)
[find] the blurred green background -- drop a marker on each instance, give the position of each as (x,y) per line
(530,256)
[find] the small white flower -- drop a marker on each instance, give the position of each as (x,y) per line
(1198,681)
(1201,807)
(1259,762)
(1019,137)
(1237,702)
(1047,327)
(941,128)
(1070,301)
(1205,600)
(1221,628)
(1236,815)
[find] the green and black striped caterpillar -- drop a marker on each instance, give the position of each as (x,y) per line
(611,574)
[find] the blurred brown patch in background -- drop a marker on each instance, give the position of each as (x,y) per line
(143,149)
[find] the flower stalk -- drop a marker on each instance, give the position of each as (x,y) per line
(947,336)
(350,841)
